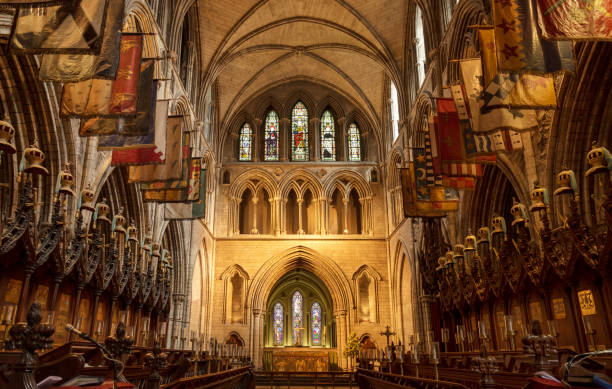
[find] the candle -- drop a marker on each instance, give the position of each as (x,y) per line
(9,314)
(78,323)
(509,323)
(99,329)
(50,317)
(587,325)
(482,330)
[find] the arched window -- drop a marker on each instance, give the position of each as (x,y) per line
(299,132)
(394,112)
(297,317)
(328,137)
(271,137)
(278,324)
(315,314)
(419,41)
(246,142)
(354,143)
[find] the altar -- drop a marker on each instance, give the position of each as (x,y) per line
(299,358)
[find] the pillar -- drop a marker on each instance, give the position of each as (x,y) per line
(342,334)
(277,218)
(426,301)
(254,200)
(345,201)
(300,203)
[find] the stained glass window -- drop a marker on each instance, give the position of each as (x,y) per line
(278,324)
(296,317)
(246,142)
(315,314)
(299,132)
(419,40)
(271,137)
(354,143)
(328,137)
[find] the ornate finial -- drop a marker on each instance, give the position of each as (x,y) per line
(102,211)
(485,365)
(155,360)
(86,201)
(7,133)
(541,346)
(600,160)
(566,183)
(518,212)
(31,336)
(65,181)
(539,198)
(120,346)
(33,159)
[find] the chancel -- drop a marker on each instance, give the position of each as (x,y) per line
(237,193)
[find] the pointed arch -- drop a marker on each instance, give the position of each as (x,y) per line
(235,284)
(300,132)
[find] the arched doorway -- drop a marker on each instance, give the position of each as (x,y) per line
(299,312)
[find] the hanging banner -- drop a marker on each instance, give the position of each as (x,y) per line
(189,193)
(170,168)
(516,119)
(520,48)
(68,27)
(101,98)
(189,211)
(512,90)
(151,149)
(575,19)
(125,87)
(183,179)
(141,124)
(79,67)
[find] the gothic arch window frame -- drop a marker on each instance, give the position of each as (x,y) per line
(294,336)
(227,275)
(420,49)
(319,306)
(304,155)
(351,126)
(275,340)
(334,154)
(241,138)
(375,278)
(268,157)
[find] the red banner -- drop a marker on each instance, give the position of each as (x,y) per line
(449,133)
(575,19)
(125,87)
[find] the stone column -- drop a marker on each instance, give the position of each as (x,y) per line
(284,139)
(258,337)
(277,217)
(341,324)
(426,301)
(315,139)
(345,201)
(254,230)
(178,300)
(323,222)
(300,204)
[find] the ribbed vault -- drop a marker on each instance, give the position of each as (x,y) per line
(248,46)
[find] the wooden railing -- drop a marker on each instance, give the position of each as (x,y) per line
(369,379)
(286,379)
(234,378)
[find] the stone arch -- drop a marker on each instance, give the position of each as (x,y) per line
(351,180)
(403,284)
(463,39)
(235,284)
(329,102)
(365,285)
(305,98)
(309,182)
(301,257)
(423,107)
(236,336)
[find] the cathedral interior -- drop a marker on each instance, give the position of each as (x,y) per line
(183,183)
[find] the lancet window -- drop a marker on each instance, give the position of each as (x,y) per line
(328,137)
(299,132)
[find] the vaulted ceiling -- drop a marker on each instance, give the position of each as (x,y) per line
(349,45)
